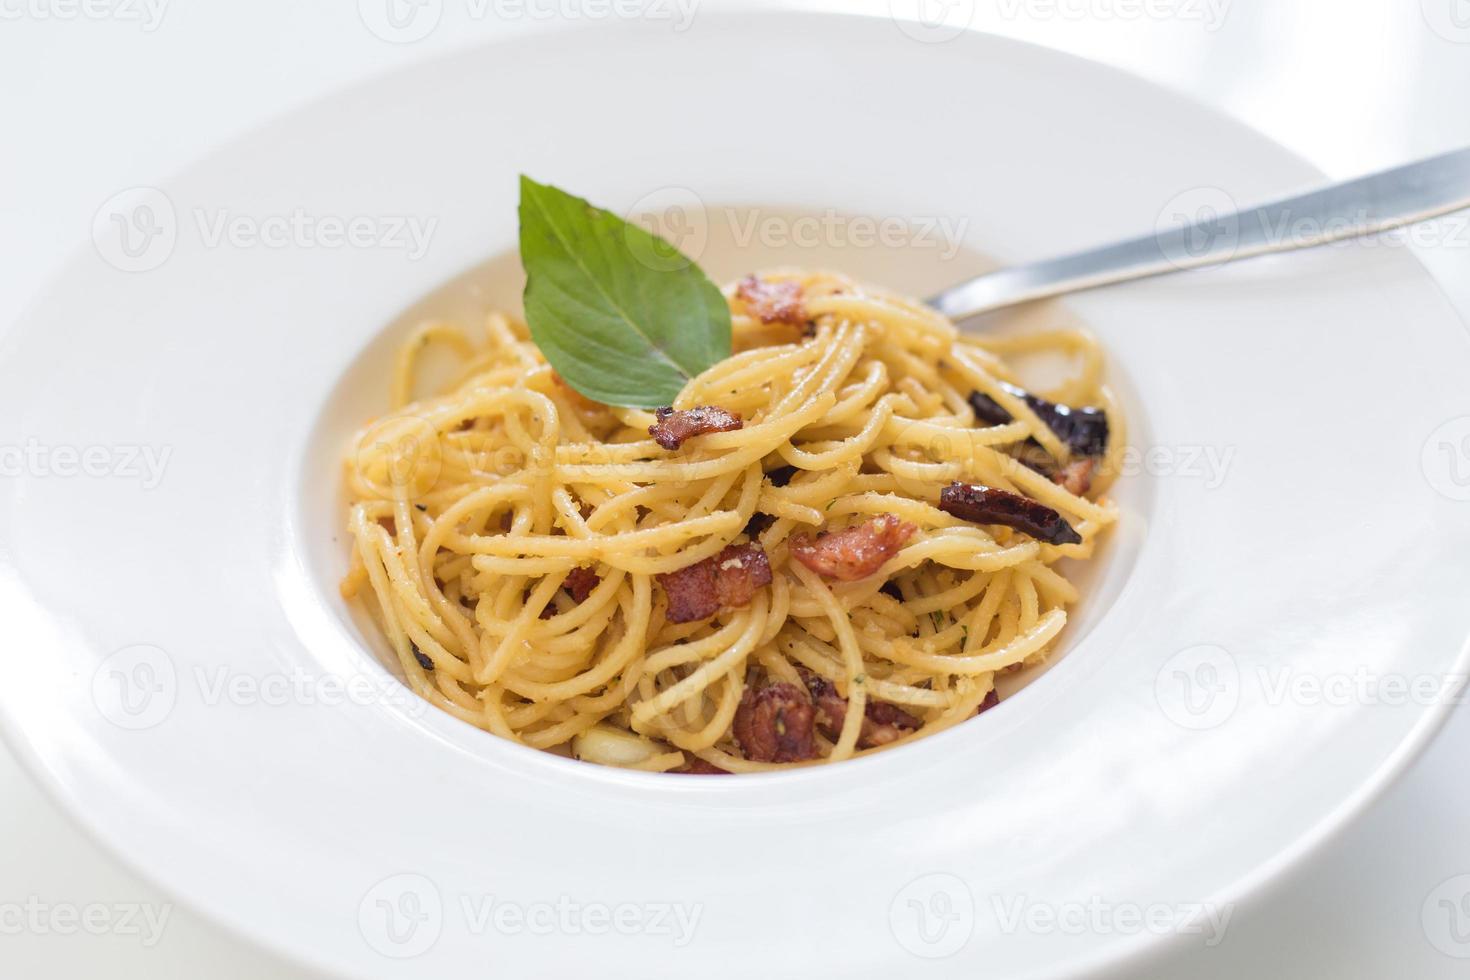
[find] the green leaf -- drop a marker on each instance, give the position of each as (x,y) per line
(622,316)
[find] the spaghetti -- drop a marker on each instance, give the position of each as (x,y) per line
(531,555)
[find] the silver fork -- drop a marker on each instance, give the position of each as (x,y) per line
(1378,202)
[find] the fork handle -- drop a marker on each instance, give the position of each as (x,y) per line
(1362,206)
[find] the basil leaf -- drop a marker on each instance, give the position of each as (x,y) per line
(622,316)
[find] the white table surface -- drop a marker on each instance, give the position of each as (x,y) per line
(100,95)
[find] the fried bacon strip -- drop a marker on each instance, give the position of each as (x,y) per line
(580,582)
(699,767)
(775,724)
(1084,430)
(674,427)
(853,552)
(831,706)
(882,722)
(1076,476)
(772,302)
(991,700)
(987,505)
(726,581)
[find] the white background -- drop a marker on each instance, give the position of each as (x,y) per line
(94,101)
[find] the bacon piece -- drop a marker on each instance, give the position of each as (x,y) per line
(774,724)
(854,552)
(831,706)
(882,722)
(987,505)
(422,657)
(991,700)
(674,427)
(726,581)
(698,767)
(773,302)
(1076,476)
(580,582)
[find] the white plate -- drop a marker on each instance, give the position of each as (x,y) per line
(172,640)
